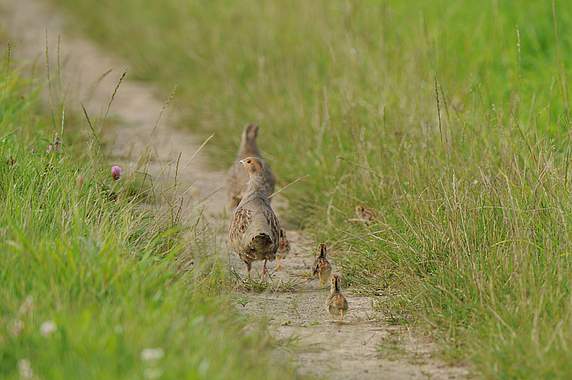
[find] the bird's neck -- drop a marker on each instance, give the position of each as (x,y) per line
(335,289)
(256,184)
(248,148)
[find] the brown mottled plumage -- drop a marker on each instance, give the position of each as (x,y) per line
(322,267)
(238,178)
(254,232)
(283,249)
(337,303)
(365,214)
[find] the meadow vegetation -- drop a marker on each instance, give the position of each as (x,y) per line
(451,119)
(91,283)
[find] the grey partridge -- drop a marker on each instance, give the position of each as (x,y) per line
(238,178)
(365,214)
(337,303)
(322,267)
(254,232)
(283,249)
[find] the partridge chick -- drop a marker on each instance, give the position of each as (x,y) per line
(238,178)
(337,303)
(322,267)
(254,232)
(283,249)
(365,214)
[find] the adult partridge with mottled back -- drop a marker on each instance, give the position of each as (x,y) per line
(254,232)
(237,176)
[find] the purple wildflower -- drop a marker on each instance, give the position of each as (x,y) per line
(116,172)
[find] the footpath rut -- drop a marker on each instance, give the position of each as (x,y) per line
(293,304)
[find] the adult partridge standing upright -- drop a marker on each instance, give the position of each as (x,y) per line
(237,176)
(254,232)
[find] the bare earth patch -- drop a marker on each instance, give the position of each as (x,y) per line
(362,347)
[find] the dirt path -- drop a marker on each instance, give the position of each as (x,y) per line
(362,348)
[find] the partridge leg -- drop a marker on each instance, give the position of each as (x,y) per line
(248,268)
(278,263)
(341,314)
(264,270)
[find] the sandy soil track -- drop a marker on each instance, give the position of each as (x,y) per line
(357,349)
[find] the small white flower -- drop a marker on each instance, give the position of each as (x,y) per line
(25,369)
(152,373)
(204,367)
(47,328)
(152,354)
(16,327)
(26,306)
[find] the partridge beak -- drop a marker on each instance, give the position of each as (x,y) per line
(242,162)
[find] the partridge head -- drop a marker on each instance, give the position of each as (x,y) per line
(252,165)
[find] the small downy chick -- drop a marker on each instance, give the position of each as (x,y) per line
(365,214)
(55,146)
(283,249)
(322,267)
(337,303)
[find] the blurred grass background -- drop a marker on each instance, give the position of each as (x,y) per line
(91,283)
(451,119)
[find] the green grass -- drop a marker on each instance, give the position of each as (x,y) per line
(474,236)
(102,270)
